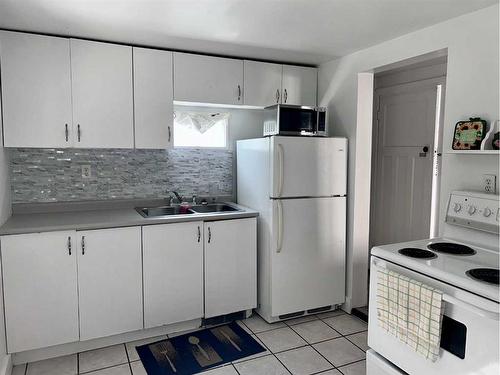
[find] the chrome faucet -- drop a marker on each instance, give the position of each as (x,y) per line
(178,196)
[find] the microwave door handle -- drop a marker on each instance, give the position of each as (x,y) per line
(494,315)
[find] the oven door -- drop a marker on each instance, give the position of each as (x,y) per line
(469,339)
(297,120)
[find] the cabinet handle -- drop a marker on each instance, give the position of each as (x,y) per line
(286,95)
(199,234)
(277,96)
(209,235)
(66,132)
(79,132)
(69,245)
(169,134)
(83,245)
(239,92)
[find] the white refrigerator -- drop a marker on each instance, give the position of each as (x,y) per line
(298,185)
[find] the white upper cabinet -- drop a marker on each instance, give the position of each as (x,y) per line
(207,79)
(102,94)
(153,98)
(262,83)
(109,281)
(40,289)
(36,90)
(299,85)
(173,273)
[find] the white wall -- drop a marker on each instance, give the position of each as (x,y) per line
(472,44)
(5,211)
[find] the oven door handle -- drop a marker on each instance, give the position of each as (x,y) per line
(493,315)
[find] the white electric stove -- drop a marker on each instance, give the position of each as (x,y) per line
(464,265)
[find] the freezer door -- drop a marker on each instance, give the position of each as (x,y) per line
(308,166)
(307,254)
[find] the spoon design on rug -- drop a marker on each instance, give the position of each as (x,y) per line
(193,340)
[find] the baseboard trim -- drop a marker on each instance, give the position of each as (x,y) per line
(6,366)
(81,346)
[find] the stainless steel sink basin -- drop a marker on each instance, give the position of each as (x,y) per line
(214,207)
(176,210)
(162,211)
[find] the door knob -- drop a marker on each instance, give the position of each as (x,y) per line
(424,152)
(425,149)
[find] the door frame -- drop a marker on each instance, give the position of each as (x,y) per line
(440,84)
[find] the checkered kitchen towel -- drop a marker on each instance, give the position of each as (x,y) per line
(411,311)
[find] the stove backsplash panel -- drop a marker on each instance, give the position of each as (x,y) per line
(55,175)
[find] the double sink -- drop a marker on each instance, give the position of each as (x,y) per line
(178,210)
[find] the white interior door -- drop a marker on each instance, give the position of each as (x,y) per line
(109,281)
(153,98)
(262,83)
(40,290)
(102,94)
(307,254)
(308,167)
(404,163)
(36,90)
(230,266)
(173,273)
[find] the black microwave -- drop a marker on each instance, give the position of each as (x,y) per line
(284,119)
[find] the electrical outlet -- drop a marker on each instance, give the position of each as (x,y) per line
(490,183)
(86,171)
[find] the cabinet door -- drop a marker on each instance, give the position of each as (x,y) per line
(173,273)
(109,281)
(36,90)
(102,94)
(230,266)
(207,79)
(262,83)
(40,290)
(153,98)
(299,85)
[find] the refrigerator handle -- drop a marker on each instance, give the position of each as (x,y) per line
(280,226)
(281,159)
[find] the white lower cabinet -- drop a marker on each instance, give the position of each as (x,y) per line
(173,273)
(40,289)
(230,266)
(62,287)
(109,281)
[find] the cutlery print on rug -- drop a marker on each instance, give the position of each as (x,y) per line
(196,351)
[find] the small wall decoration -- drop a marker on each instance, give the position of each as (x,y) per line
(496,141)
(469,134)
(491,139)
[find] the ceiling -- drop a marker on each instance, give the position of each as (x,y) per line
(299,31)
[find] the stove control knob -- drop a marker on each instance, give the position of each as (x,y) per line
(471,210)
(457,207)
(487,212)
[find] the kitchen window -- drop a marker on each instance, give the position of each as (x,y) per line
(201,129)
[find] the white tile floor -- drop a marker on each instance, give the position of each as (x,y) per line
(332,343)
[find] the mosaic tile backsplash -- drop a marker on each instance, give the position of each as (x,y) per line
(53,175)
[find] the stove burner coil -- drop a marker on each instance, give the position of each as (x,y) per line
(487,275)
(451,248)
(413,252)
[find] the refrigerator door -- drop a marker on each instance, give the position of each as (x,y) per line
(308,167)
(307,254)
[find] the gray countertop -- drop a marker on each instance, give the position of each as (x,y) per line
(85,218)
